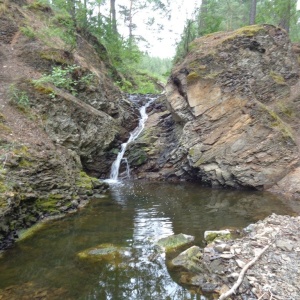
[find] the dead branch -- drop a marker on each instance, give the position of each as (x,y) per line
(242,274)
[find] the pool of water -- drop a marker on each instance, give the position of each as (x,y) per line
(133,215)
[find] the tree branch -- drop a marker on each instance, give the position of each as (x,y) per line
(242,274)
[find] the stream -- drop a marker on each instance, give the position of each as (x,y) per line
(133,215)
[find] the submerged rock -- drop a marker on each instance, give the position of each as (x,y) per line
(174,241)
(107,252)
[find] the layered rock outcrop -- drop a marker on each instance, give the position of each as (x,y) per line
(232,112)
(52,131)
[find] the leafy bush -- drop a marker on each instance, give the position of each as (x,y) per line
(19,98)
(64,78)
(28,31)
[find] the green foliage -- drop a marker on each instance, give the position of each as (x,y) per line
(277,12)
(156,66)
(65,78)
(38,5)
(28,31)
(215,15)
(19,98)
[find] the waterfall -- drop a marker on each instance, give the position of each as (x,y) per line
(115,168)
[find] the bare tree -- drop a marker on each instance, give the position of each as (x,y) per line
(252,12)
(113,15)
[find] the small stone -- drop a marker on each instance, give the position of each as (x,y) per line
(224,289)
(220,247)
(284,245)
(238,250)
(233,275)
(227,256)
(240,263)
(251,278)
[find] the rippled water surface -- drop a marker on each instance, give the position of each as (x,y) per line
(133,215)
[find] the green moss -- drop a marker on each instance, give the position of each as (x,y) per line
(24,163)
(38,5)
(3,187)
(3,6)
(21,151)
(49,205)
(277,78)
(107,252)
(287,111)
(248,30)
(212,75)
(84,181)
(4,128)
(273,120)
(26,233)
(55,55)
(174,241)
(142,158)
(210,236)
(28,31)
(192,77)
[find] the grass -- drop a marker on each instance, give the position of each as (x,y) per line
(3,6)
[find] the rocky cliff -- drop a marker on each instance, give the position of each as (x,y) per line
(60,114)
(231,114)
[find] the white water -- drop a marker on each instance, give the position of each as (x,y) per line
(115,168)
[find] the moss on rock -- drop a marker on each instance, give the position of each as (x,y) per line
(173,242)
(105,252)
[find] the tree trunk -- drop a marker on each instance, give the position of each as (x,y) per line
(113,17)
(286,16)
(130,22)
(202,17)
(72,10)
(252,12)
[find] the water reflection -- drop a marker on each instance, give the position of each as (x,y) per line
(133,215)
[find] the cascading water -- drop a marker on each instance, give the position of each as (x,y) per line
(115,168)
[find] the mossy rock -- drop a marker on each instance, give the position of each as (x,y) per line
(173,242)
(84,181)
(277,78)
(188,259)
(43,88)
(104,252)
(58,56)
(210,236)
(26,233)
(192,76)
(48,205)
(249,30)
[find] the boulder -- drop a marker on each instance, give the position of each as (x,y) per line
(234,105)
(174,241)
(211,235)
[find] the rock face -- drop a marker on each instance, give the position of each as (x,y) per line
(51,133)
(233,102)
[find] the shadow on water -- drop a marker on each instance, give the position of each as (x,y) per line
(133,215)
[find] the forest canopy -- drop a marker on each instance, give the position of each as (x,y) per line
(115,24)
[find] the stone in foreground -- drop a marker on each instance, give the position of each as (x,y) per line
(174,241)
(210,236)
(188,259)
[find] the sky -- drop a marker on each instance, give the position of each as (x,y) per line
(164,44)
